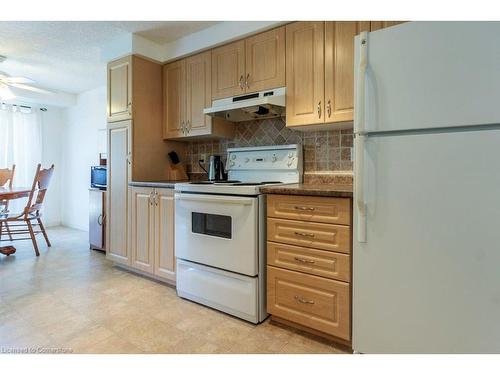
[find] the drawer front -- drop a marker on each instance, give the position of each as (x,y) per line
(320,236)
(305,208)
(315,262)
(311,301)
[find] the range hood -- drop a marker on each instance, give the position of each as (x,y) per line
(256,106)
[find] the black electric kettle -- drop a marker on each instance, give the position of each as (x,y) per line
(215,169)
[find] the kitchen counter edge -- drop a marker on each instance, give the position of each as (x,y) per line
(154,184)
(322,190)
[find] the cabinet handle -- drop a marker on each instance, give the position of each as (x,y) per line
(302,260)
(246,81)
(304,208)
(319,109)
(304,234)
(156,198)
(303,300)
(183,128)
(100,219)
(129,108)
(188,126)
(241,83)
(329,108)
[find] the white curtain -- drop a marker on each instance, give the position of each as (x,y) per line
(20,144)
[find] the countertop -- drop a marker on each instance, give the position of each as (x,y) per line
(155,184)
(324,190)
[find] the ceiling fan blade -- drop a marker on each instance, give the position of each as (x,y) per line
(18,80)
(31,88)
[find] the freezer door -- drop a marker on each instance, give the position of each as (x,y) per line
(427,280)
(430,74)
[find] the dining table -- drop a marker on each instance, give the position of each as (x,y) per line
(7,194)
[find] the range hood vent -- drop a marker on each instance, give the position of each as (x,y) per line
(256,106)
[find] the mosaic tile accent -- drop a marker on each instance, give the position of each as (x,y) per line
(324,151)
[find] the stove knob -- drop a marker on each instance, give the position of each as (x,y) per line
(274,158)
(290,155)
(247,160)
(231,163)
(233,156)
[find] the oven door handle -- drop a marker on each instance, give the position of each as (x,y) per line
(213,199)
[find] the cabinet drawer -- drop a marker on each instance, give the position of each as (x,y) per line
(311,301)
(305,208)
(312,261)
(320,236)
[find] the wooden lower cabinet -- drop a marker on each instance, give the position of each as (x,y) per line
(316,235)
(312,301)
(152,231)
(118,177)
(309,242)
(164,261)
(141,222)
(312,261)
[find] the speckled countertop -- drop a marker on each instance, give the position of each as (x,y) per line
(157,184)
(324,190)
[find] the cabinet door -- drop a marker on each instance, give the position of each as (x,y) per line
(265,60)
(305,74)
(377,25)
(339,69)
(198,93)
(174,102)
(228,70)
(141,228)
(164,265)
(118,176)
(120,89)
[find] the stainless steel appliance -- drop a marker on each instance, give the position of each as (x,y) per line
(215,169)
(220,230)
(98,177)
(97,219)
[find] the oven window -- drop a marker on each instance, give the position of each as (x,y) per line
(212,225)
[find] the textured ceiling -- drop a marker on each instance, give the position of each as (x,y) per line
(66,56)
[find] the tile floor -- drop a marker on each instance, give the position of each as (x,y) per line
(74,299)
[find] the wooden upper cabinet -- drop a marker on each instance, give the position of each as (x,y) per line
(174,84)
(265,60)
(305,74)
(339,69)
(377,25)
(228,70)
(198,93)
(120,89)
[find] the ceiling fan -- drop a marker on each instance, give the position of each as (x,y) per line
(6,82)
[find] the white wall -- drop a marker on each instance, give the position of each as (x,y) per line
(84,137)
(52,129)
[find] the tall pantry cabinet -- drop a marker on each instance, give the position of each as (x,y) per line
(136,149)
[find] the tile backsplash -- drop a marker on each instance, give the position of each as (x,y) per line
(325,151)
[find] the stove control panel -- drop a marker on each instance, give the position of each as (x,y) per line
(287,157)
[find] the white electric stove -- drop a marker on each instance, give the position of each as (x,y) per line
(220,238)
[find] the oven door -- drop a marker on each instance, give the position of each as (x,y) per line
(218,231)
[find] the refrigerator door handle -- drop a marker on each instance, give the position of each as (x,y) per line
(359,128)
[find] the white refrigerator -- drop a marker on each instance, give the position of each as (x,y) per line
(426,257)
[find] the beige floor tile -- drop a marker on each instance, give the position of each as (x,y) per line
(75,299)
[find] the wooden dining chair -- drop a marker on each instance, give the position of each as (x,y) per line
(6,178)
(31,216)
